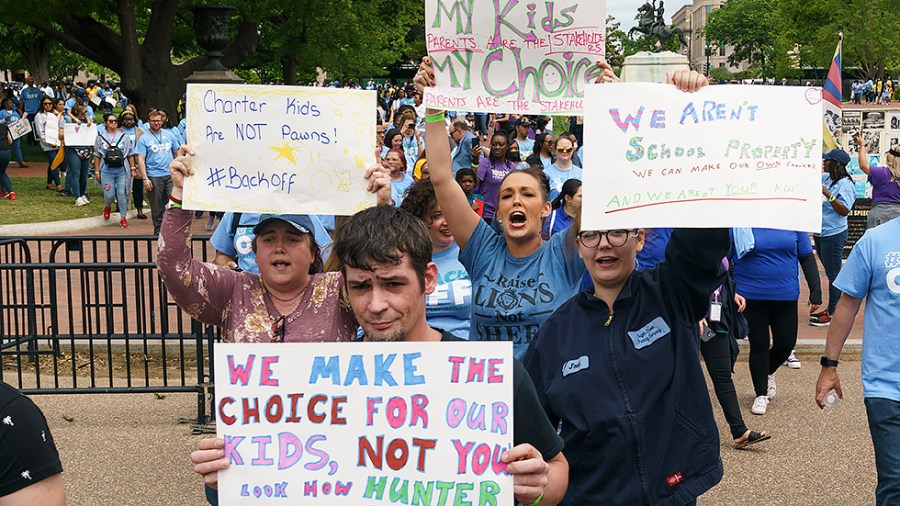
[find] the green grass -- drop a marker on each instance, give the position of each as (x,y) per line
(36,204)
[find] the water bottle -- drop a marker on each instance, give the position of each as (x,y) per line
(831,399)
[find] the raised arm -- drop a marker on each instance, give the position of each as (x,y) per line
(863,159)
(454,204)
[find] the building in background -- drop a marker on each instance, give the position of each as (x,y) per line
(691,18)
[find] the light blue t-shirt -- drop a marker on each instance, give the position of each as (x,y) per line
(844,191)
(449,307)
(399,187)
(239,245)
(558,176)
(9,116)
(525,147)
(87,107)
(120,139)
(512,297)
(411,150)
(873,271)
(157,148)
(31,99)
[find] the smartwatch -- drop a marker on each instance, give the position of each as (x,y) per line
(827,362)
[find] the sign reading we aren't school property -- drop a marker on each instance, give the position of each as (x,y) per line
(279,149)
(725,156)
(343,424)
(512,56)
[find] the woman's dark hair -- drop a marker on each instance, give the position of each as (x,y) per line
(108,115)
(569,189)
(509,156)
(837,171)
(504,137)
(317,264)
(389,138)
(420,199)
(4,101)
(383,235)
(465,171)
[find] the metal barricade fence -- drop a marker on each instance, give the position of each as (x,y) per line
(92,315)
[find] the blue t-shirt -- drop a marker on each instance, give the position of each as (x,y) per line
(558,176)
(558,221)
(157,150)
(9,116)
(31,99)
(654,251)
(120,139)
(873,271)
(770,271)
(844,191)
(411,151)
(87,107)
(239,245)
(449,307)
(525,147)
(512,297)
(399,187)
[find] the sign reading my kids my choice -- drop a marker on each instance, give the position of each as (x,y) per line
(513,56)
(365,423)
(279,149)
(725,156)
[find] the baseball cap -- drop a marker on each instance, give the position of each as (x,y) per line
(523,121)
(838,155)
(80,93)
(301,222)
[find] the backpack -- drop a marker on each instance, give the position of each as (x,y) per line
(114,157)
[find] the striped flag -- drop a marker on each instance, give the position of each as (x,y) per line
(831,95)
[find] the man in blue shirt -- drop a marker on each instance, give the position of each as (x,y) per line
(462,136)
(30,102)
(155,151)
(873,272)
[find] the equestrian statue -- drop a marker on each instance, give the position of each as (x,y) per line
(651,24)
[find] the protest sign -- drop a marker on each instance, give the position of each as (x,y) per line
(726,156)
(279,149)
(96,100)
(79,135)
(51,130)
(517,57)
(365,423)
(111,101)
(19,128)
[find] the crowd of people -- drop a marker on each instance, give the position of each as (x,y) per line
(877,92)
(477,236)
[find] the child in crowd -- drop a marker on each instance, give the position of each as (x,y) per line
(466,179)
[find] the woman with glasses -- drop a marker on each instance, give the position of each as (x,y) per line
(491,171)
(47,120)
(544,153)
(563,169)
(112,152)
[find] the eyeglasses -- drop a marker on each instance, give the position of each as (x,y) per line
(278,330)
(615,238)
(564,150)
(47,103)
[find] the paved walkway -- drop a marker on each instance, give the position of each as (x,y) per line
(129,450)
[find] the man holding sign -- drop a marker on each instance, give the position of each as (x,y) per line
(385,256)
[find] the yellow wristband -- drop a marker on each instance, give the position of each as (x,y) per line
(831,198)
(537,500)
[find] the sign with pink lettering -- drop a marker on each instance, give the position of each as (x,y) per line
(725,156)
(513,56)
(365,423)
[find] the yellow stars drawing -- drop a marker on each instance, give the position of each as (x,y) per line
(286,152)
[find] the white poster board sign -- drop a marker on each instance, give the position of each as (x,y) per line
(726,156)
(51,130)
(111,101)
(19,128)
(279,149)
(516,57)
(96,100)
(79,135)
(344,424)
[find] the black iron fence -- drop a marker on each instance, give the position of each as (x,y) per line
(91,315)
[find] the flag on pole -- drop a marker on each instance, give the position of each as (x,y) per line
(831,95)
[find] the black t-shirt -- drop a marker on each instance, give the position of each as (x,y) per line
(4,136)
(27,452)
(530,423)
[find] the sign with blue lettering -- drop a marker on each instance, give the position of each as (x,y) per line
(279,149)
(342,424)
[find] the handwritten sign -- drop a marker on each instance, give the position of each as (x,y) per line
(517,57)
(19,128)
(279,149)
(365,423)
(726,156)
(79,135)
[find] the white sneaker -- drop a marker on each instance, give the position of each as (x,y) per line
(792,361)
(86,199)
(760,405)
(80,201)
(771,390)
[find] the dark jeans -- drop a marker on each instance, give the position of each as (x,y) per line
(884,425)
(77,173)
(481,122)
(717,356)
(159,197)
(781,316)
(137,193)
(52,174)
(5,181)
(31,139)
(830,250)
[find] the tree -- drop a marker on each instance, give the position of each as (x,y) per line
(749,26)
(615,43)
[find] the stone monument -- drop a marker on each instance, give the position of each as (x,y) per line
(211,27)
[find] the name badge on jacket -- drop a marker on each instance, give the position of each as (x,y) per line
(650,333)
(572,366)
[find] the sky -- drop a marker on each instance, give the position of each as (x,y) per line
(625,10)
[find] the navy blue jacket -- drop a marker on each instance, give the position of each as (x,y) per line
(627,392)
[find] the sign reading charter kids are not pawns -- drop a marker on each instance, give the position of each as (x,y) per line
(350,424)
(523,57)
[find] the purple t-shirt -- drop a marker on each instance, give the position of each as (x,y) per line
(491,174)
(883,188)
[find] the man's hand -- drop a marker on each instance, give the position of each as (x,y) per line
(209,459)
(828,379)
(148,185)
(530,472)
